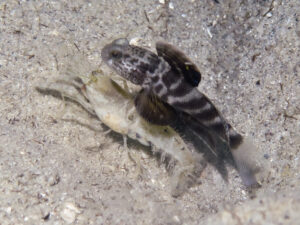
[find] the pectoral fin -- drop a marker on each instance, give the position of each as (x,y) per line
(153,110)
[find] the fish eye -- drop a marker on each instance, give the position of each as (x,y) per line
(116,54)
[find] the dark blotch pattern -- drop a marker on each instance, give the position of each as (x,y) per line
(137,51)
(158,88)
(143,67)
(152,68)
(133,61)
(153,59)
(126,56)
(155,79)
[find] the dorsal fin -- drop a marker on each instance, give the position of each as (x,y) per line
(153,110)
(179,62)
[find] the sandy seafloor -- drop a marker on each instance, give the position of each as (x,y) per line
(55,171)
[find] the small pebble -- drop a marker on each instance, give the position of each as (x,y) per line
(69,212)
(269,14)
(176,219)
(134,41)
(53,180)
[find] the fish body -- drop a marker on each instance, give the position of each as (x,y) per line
(170,77)
(114,106)
(168,82)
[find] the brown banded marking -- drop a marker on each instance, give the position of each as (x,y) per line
(170,78)
(177,84)
(175,101)
(197,110)
(195,101)
(179,91)
(207,116)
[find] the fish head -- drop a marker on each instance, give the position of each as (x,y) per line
(135,64)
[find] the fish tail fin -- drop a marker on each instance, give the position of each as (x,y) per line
(245,161)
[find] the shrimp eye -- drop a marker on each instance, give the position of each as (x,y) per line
(116,54)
